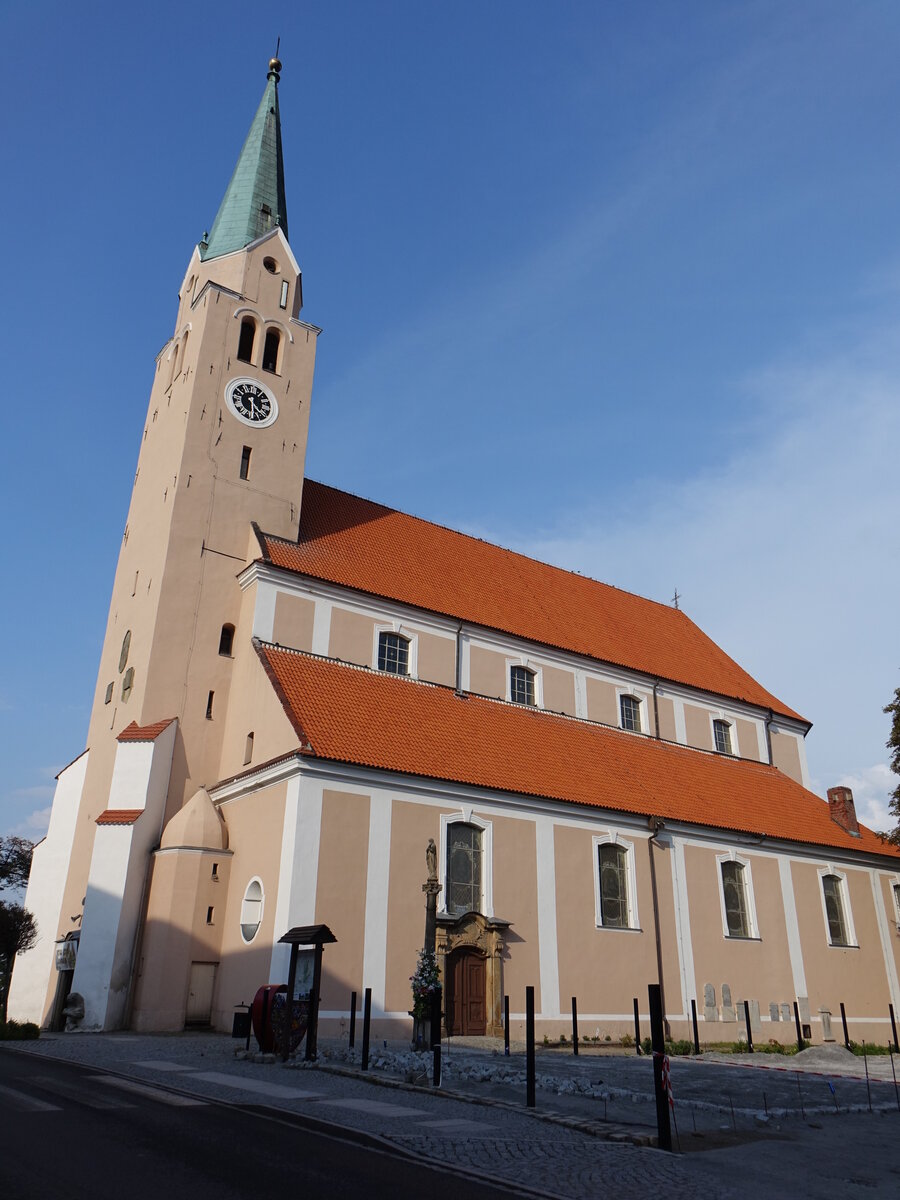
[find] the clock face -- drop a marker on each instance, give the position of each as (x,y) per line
(251,402)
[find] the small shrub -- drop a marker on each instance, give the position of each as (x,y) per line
(608,1038)
(546,1040)
(627,1040)
(19,1031)
(681,1047)
(647,1046)
(868,1048)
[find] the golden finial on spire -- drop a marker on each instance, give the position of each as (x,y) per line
(275,63)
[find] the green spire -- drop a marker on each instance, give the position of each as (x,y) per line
(254,201)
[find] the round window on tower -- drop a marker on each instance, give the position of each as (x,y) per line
(271,265)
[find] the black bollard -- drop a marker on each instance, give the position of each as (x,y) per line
(696,1031)
(658,1040)
(506,1026)
(799,1028)
(529,1047)
(747,1023)
(574,1026)
(367,1025)
(436,1071)
(637,1027)
(844,1023)
(894,1029)
(435,1038)
(353,1018)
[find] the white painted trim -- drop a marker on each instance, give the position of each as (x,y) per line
(529,664)
(278,965)
(403,631)
(789,905)
(377,882)
(264,612)
(851,942)
(884,927)
(465,816)
(604,839)
(321,633)
(581,704)
(749,898)
(680,726)
(546,909)
(262,909)
(683,937)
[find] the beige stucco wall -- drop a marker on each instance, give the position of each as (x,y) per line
(559,690)
(436,659)
(293,624)
(341,893)
(601,701)
(697,727)
(747,739)
(176,932)
(602,968)
(411,826)
(255,828)
(515,899)
(755,969)
(487,672)
(786,755)
(666,710)
(852,974)
(352,637)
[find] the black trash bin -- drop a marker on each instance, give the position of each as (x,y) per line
(240,1027)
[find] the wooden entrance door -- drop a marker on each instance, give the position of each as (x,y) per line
(200,993)
(468,1008)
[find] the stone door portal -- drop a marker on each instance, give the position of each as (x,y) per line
(468,1012)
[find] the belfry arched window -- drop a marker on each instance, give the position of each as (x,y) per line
(270,350)
(246,340)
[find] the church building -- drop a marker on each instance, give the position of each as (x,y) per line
(298,688)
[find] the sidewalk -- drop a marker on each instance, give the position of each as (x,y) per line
(477,1121)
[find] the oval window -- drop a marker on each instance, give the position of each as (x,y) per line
(251,910)
(271,265)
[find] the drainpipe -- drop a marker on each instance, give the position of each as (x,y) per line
(656,825)
(656,707)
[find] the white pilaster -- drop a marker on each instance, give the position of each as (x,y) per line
(546,906)
(377,875)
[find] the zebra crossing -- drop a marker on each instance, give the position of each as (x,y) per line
(53,1094)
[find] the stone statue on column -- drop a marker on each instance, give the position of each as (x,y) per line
(432,890)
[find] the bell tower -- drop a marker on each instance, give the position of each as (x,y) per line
(222,447)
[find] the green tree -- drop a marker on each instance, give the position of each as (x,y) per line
(15,862)
(18,929)
(893,744)
(18,933)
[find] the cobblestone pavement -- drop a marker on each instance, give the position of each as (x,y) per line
(482,1124)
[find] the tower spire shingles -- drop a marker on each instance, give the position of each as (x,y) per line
(254,200)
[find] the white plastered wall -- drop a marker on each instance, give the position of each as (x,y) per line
(44,897)
(115,891)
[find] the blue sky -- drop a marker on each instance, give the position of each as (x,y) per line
(614,284)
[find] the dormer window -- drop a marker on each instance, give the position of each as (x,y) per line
(521,685)
(630,713)
(270,350)
(246,340)
(722,732)
(393,653)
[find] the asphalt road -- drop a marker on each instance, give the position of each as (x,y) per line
(73,1130)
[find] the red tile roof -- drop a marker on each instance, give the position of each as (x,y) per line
(119,816)
(354,715)
(144,733)
(358,544)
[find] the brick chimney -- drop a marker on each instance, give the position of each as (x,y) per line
(843,810)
